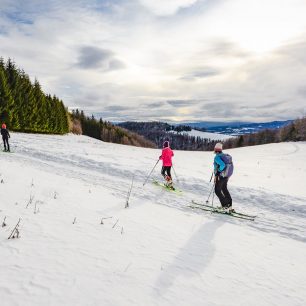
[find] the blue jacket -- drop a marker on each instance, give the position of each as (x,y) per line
(219,164)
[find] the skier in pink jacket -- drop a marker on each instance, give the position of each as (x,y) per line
(166,157)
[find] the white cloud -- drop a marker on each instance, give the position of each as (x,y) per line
(260,26)
(238,54)
(168,7)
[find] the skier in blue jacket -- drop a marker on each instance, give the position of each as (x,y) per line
(221,180)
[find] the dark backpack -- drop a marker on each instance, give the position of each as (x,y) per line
(229,166)
(4,133)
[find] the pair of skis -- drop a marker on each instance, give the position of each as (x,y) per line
(168,188)
(206,207)
(213,209)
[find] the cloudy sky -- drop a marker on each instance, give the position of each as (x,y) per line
(180,60)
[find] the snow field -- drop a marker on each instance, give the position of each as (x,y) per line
(158,251)
(211,136)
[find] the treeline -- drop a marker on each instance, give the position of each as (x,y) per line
(155,126)
(295,131)
(25,107)
(158,132)
(200,129)
(105,131)
(178,128)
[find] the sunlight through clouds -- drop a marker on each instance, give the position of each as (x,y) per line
(236,55)
(261,26)
(169,7)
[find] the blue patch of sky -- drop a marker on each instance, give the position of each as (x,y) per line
(103,6)
(3,32)
(18,17)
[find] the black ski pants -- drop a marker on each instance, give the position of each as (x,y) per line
(166,169)
(222,192)
(6,143)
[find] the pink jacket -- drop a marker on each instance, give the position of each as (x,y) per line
(166,157)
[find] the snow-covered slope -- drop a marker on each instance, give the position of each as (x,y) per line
(158,251)
(212,136)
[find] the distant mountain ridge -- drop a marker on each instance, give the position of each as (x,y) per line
(237,128)
(198,135)
(158,132)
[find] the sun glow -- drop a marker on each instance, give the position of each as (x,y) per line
(260,26)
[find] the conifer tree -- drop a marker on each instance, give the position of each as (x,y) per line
(25,107)
(6,99)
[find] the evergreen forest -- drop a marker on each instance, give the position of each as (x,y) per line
(24,107)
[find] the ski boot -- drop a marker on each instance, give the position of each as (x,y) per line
(169,183)
(230,209)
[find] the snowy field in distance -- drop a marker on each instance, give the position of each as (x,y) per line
(207,135)
(158,251)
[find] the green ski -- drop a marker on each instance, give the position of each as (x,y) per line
(157,183)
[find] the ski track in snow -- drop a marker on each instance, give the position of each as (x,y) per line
(94,166)
(277,213)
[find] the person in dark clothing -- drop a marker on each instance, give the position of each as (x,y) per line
(166,170)
(221,181)
(5,136)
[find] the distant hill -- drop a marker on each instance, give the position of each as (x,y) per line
(106,131)
(213,124)
(208,135)
(293,131)
(202,136)
(178,135)
(237,128)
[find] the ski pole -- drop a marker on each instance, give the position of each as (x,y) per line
(212,201)
(175,174)
(150,173)
(212,174)
(212,188)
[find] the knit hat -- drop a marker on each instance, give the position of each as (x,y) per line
(4,126)
(166,144)
(218,147)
